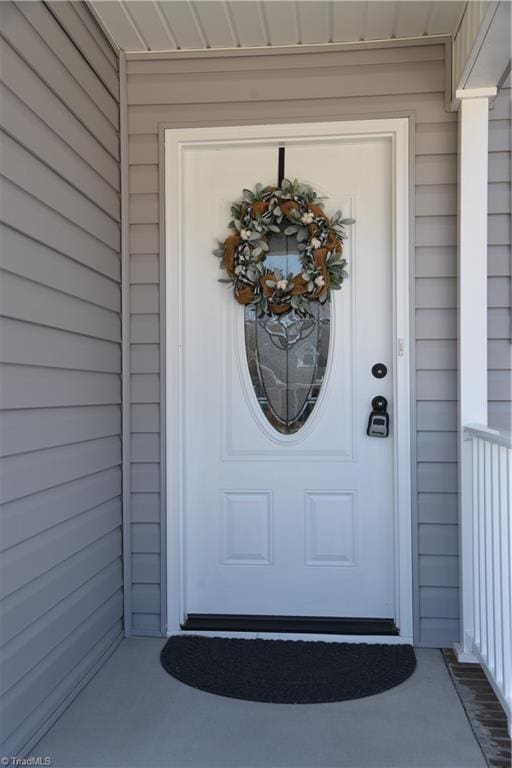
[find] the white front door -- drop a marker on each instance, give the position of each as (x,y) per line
(287,507)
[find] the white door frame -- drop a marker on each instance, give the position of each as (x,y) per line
(176,140)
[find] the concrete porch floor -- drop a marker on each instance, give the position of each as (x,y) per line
(134,714)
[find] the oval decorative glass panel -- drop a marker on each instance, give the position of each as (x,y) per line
(287,354)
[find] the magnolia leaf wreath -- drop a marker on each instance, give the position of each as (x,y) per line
(291,209)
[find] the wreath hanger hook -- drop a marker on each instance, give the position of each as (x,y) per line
(280,165)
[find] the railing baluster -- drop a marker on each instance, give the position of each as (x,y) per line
(488,558)
(481,546)
(475,442)
(495,561)
(496,575)
(506,565)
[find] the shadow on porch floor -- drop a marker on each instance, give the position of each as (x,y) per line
(134,714)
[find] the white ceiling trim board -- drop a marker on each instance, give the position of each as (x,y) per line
(198,53)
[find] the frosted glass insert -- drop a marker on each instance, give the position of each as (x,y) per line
(287,354)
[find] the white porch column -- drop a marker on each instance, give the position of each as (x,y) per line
(472,321)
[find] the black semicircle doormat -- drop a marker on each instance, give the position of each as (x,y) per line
(287,671)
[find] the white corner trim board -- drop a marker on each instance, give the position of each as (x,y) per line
(179,142)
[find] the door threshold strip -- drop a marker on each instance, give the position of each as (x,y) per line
(320,625)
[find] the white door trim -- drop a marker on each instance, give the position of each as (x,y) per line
(176,140)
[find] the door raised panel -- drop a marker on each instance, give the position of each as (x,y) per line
(331,528)
(247,527)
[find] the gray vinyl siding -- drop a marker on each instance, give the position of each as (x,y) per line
(60,469)
(403,80)
(499,264)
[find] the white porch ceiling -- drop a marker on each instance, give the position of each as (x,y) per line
(136,25)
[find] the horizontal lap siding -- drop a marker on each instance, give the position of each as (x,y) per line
(436,382)
(398,81)
(60,331)
(499,353)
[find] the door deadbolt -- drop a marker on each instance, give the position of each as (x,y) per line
(379,370)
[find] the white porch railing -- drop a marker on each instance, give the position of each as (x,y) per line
(488,546)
